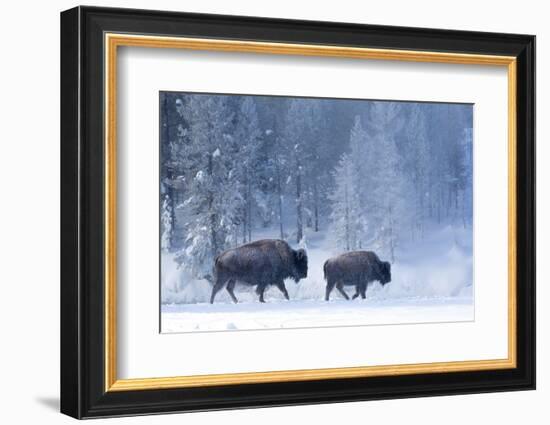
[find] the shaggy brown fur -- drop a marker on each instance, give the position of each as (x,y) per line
(356,268)
(260,263)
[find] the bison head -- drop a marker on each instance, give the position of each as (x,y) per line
(300,265)
(385,272)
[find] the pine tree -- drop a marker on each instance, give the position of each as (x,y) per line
(361,159)
(212,195)
(246,152)
(171,171)
(297,131)
(274,162)
(386,204)
(416,161)
(348,223)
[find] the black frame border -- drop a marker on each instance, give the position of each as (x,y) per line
(82,220)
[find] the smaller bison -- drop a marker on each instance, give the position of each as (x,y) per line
(260,264)
(356,268)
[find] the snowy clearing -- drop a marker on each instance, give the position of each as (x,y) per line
(431,282)
(303,314)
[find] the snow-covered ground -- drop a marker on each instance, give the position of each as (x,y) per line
(431,282)
(314,313)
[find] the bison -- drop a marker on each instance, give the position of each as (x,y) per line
(356,268)
(260,263)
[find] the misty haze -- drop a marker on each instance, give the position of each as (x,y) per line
(260,197)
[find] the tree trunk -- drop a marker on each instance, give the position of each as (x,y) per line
(280,201)
(299,212)
(346,201)
(249,210)
(245,208)
(244,222)
(213,238)
(316,204)
(392,243)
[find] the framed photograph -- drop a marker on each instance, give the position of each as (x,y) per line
(261,212)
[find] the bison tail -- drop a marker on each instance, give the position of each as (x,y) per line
(325,269)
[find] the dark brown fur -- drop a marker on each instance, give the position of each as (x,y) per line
(260,263)
(356,268)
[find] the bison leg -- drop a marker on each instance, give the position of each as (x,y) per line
(282,288)
(360,289)
(363,291)
(330,287)
(230,286)
(340,288)
(260,291)
(216,288)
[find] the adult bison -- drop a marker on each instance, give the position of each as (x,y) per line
(356,268)
(260,263)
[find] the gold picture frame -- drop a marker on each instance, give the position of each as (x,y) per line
(91,39)
(114,41)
